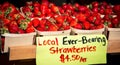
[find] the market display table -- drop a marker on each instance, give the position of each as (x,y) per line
(29,52)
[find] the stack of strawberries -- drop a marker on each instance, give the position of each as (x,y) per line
(13,21)
(46,16)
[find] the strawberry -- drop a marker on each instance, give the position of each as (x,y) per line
(60,19)
(70,7)
(81,17)
(6,21)
(116,8)
(115,21)
(35,22)
(10,10)
(52,27)
(66,27)
(24,23)
(36,4)
(5,5)
(95,4)
(40,28)
(82,8)
(13,27)
(86,25)
(29,14)
(78,26)
(30,29)
(73,22)
(102,10)
(91,18)
(37,11)
(13,9)
(108,11)
(62,11)
(99,26)
(97,22)
(20,20)
(42,23)
(21,31)
(26,9)
(17,16)
(95,10)
(45,2)
(48,11)
(44,9)
(64,6)
(54,8)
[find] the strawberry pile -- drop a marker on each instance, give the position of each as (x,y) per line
(46,16)
(110,13)
(12,21)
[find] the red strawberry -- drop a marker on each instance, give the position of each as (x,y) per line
(35,22)
(81,17)
(64,6)
(26,9)
(52,27)
(91,18)
(29,14)
(40,28)
(95,9)
(42,23)
(55,9)
(115,21)
(20,20)
(48,11)
(17,16)
(66,27)
(97,22)
(102,10)
(99,26)
(43,9)
(30,29)
(36,4)
(73,22)
(6,21)
(21,31)
(82,8)
(5,5)
(60,19)
(95,4)
(86,25)
(24,24)
(78,26)
(62,11)
(116,8)
(108,11)
(13,27)
(37,11)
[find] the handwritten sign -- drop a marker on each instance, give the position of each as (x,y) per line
(71,50)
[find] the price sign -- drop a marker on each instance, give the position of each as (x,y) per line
(71,50)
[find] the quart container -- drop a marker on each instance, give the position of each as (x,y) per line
(17,40)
